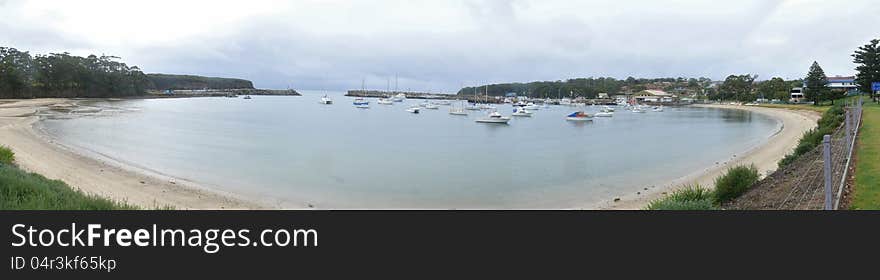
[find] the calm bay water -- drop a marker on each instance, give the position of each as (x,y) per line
(292,150)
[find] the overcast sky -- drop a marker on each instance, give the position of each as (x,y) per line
(441,45)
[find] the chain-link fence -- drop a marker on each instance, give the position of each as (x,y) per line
(816,180)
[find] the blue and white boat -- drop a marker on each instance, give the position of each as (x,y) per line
(361,103)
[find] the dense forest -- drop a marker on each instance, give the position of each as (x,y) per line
(63,75)
(165,81)
(23,75)
(590,87)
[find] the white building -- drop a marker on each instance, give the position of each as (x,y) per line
(654,96)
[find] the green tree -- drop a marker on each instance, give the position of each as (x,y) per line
(775,88)
(816,84)
(868,59)
(738,87)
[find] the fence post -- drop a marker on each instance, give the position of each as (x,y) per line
(827,159)
(848,121)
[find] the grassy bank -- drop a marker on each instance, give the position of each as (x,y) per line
(21,190)
(732,184)
(831,119)
(866,191)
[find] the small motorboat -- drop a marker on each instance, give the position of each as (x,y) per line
(604,114)
(383,101)
(457,112)
(658,109)
(247,97)
(400,97)
(579,116)
(532,106)
(431,106)
(494,117)
(638,109)
(521,112)
(608,109)
(361,103)
(487,107)
(326,100)
(443,102)
(414,110)
(472,107)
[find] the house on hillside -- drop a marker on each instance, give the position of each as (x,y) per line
(797,95)
(845,84)
(655,96)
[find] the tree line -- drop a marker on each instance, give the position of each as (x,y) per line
(190,82)
(587,87)
(23,75)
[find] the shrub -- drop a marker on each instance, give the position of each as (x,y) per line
(831,119)
(735,182)
(693,197)
(6,155)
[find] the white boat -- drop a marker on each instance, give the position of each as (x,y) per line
(579,116)
(521,112)
(457,112)
(658,109)
(608,109)
(431,106)
(414,110)
(487,107)
(604,114)
(400,97)
(494,117)
(532,106)
(443,102)
(638,109)
(565,101)
(326,100)
(383,101)
(361,103)
(472,107)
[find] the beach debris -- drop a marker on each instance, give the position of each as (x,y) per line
(616,199)
(172,181)
(142,182)
(639,193)
(311,206)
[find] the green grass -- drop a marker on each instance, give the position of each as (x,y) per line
(692,197)
(20,190)
(735,182)
(830,121)
(866,192)
(6,155)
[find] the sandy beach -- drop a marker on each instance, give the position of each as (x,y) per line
(94,174)
(765,156)
(35,152)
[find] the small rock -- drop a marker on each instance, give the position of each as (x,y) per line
(646,189)
(616,199)
(142,182)
(311,206)
(639,193)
